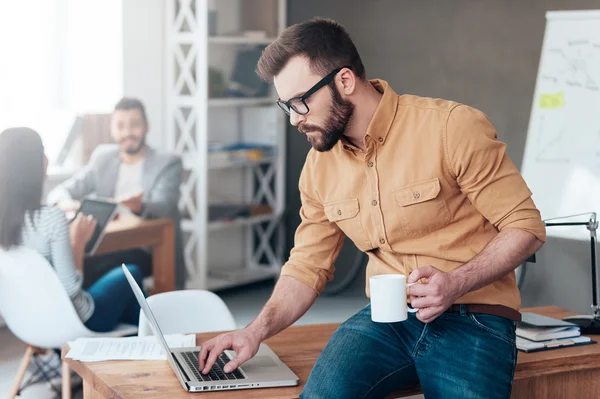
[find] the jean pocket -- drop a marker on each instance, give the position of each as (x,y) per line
(498,326)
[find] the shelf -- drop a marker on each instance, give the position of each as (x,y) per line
(185,101)
(220,225)
(240,40)
(192,101)
(188,225)
(240,102)
(246,276)
(241,164)
(189,160)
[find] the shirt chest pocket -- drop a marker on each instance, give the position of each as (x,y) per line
(421,208)
(346,214)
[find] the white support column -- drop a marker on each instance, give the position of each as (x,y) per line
(186,126)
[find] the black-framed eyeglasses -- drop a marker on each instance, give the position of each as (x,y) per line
(298,104)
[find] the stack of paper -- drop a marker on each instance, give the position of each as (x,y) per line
(128,348)
(547,333)
(536,332)
(535,327)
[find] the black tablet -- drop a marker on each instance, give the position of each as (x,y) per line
(103,212)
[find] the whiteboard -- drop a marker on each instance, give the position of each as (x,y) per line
(561,162)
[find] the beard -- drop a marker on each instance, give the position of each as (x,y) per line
(334,128)
(133,148)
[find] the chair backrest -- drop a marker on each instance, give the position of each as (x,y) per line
(187,311)
(34,303)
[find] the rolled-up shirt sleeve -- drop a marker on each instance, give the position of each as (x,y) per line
(317,242)
(486,175)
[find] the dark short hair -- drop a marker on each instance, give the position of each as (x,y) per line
(324,42)
(21,179)
(127,103)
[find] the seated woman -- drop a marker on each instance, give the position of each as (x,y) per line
(24,221)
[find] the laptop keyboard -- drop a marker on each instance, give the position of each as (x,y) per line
(216,373)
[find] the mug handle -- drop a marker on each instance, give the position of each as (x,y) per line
(408,307)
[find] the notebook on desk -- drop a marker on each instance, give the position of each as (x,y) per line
(537,320)
(535,327)
(537,333)
(547,333)
(528,346)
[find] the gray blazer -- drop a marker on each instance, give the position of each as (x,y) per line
(162,176)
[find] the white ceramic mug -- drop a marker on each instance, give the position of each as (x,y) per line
(388,298)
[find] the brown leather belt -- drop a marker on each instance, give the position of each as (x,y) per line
(496,310)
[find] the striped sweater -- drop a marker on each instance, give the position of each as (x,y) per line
(47,232)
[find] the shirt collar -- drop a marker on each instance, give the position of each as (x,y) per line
(384,114)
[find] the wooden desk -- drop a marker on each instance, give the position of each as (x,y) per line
(130,232)
(562,373)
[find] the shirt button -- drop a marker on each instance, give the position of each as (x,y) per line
(382,240)
(370,164)
(380,139)
(417,195)
(339,212)
(374,202)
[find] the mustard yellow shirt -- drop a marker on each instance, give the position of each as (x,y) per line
(433,187)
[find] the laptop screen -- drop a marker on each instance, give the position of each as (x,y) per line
(148,313)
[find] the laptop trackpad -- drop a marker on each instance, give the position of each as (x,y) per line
(259,363)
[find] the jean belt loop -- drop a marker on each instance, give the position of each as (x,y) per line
(463,310)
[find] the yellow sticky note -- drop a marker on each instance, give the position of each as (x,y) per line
(552,101)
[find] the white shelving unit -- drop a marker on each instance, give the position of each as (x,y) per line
(225,253)
(238,102)
(240,40)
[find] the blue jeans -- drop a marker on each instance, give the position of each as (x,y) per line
(97,266)
(114,301)
(458,355)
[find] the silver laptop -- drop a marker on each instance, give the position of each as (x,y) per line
(265,369)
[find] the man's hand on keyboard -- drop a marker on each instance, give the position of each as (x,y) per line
(243,342)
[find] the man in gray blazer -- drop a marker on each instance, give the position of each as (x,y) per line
(142,180)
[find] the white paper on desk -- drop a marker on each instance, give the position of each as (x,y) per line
(128,348)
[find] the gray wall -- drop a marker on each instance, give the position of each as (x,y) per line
(482,53)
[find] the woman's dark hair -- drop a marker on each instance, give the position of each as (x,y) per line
(325,43)
(21,181)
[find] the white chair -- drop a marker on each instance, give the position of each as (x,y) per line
(37,309)
(187,311)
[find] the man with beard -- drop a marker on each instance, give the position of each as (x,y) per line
(424,187)
(142,180)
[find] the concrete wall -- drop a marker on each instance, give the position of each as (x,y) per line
(482,53)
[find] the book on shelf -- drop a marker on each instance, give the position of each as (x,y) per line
(219,155)
(230,212)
